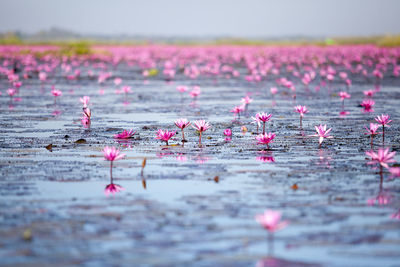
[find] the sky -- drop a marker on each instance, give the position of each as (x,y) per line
(204,18)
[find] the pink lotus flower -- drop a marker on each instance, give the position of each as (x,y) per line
(368,105)
(228,132)
(384,120)
(117,81)
(164,135)
(369,93)
(42,76)
(125,134)
(373,128)
(270,220)
(87,112)
(383,157)
(236,110)
(372,131)
(86,118)
(84,100)
(56,93)
(322,133)
(378,74)
(181,88)
(126,89)
(85,121)
(17,84)
(195,92)
(11,92)
(265,139)
(395,172)
(264,117)
(182,124)
(273,90)
(246,100)
(301,110)
(112,154)
(201,126)
(348,83)
(383,198)
(344,95)
(256,121)
(113,189)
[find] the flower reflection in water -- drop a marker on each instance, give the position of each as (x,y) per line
(271,261)
(201,159)
(125,143)
(383,198)
(112,189)
(56,113)
(181,157)
(163,154)
(265,156)
(343,113)
(396,215)
(324,159)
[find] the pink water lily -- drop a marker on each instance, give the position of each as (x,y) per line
(301,110)
(125,134)
(182,88)
(322,133)
(182,123)
(384,120)
(395,172)
(195,92)
(265,139)
(164,135)
(368,105)
(228,132)
(344,95)
(112,154)
(85,121)
(11,92)
(201,126)
(117,81)
(270,220)
(369,93)
(56,93)
(246,101)
(372,131)
(382,157)
(85,101)
(256,121)
(237,110)
(263,117)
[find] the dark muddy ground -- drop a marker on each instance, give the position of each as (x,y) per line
(53,208)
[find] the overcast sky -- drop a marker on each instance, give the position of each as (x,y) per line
(239,18)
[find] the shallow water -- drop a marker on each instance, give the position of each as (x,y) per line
(177,214)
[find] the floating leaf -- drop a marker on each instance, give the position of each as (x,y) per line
(216,179)
(50,147)
(80,141)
